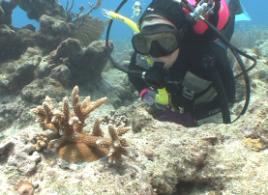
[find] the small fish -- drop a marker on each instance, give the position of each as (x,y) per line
(136,9)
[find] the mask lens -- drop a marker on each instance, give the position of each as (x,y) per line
(168,42)
(141,44)
(163,44)
(156,45)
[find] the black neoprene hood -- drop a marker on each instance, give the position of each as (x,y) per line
(169,9)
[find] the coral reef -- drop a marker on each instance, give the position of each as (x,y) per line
(55,27)
(35,9)
(72,143)
(165,158)
(11,44)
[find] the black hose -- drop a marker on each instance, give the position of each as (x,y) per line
(114,63)
(135,73)
(219,87)
(236,53)
(123,2)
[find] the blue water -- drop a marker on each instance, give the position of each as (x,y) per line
(257,9)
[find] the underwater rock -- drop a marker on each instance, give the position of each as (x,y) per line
(5,150)
(27,36)
(37,90)
(24,158)
(6,8)
(45,66)
(35,9)
(54,26)
(89,66)
(17,76)
(11,45)
(69,48)
(52,32)
(62,74)
(11,111)
(116,81)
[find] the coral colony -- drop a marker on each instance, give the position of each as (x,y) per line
(71,142)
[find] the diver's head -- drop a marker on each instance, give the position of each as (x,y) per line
(162,31)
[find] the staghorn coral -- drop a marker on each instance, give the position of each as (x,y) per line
(71,142)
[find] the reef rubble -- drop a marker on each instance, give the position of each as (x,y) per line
(165,158)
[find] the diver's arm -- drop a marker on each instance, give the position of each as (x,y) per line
(137,82)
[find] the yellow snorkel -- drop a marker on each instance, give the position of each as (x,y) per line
(162,96)
(125,20)
(130,23)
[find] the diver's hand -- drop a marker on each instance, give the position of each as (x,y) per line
(148,96)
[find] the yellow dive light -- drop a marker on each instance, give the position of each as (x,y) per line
(162,97)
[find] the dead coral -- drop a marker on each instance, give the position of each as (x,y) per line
(25,188)
(72,144)
(256,131)
(254,144)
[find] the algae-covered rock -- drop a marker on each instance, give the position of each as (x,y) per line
(36,91)
(37,8)
(11,45)
(6,9)
(69,48)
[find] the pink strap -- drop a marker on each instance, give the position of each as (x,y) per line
(192,2)
(224,14)
(143,92)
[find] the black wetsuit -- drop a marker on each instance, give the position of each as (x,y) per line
(202,63)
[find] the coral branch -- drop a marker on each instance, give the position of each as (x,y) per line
(71,143)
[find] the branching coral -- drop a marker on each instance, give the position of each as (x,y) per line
(72,143)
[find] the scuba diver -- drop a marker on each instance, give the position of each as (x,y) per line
(191,77)
(136,9)
(180,65)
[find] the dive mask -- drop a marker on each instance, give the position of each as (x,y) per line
(157,40)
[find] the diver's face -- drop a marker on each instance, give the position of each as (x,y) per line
(168,60)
